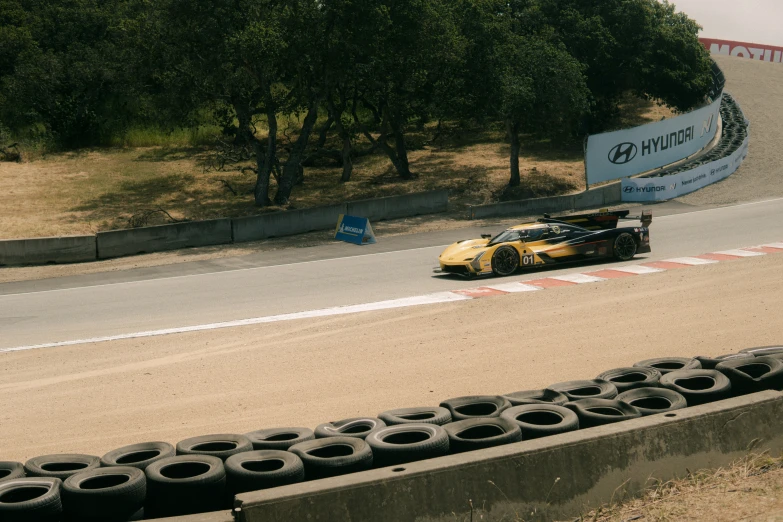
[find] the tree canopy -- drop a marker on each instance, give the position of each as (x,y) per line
(82,70)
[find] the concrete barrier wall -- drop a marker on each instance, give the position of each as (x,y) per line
(593,198)
(42,250)
(556,477)
(286,223)
(393,207)
(116,243)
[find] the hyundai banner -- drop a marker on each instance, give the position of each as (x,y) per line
(675,185)
(625,153)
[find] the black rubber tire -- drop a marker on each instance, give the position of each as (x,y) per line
(11,470)
(138,456)
(753,375)
(356,427)
(333,456)
(625,379)
(763,351)
(221,445)
(669,364)
(476,434)
(278,438)
(505,261)
(624,247)
(541,420)
(595,412)
(185,485)
(709,363)
(536,397)
(17,506)
(111,494)
(694,385)
(264,469)
(423,415)
(590,389)
(651,401)
(475,406)
(60,466)
(403,443)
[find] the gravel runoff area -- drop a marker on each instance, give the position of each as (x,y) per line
(96,397)
(758,88)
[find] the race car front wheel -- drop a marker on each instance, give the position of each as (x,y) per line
(505,261)
(624,247)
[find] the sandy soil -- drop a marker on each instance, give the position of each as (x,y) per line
(93,398)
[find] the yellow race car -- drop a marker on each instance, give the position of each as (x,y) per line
(548,241)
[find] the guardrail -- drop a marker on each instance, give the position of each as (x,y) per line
(116,243)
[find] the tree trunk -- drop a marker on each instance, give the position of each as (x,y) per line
(347,160)
(336,113)
(244,118)
(292,170)
(513,131)
(325,131)
(265,161)
(403,169)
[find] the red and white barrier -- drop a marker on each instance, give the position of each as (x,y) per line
(765,53)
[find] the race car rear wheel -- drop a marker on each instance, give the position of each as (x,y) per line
(505,261)
(624,247)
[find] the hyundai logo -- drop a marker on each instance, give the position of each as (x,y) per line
(623,153)
(628,189)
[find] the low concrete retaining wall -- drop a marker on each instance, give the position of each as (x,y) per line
(393,207)
(606,195)
(286,223)
(116,243)
(551,478)
(42,250)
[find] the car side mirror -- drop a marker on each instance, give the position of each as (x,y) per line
(486,236)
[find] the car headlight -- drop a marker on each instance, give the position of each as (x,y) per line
(476,263)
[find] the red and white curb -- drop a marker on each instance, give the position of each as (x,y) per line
(490,290)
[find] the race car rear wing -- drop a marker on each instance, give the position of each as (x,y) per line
(602,220)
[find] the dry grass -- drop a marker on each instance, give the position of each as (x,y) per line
(101,189)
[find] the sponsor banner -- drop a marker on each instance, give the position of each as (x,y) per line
(675,185)
(628,152)
(764,53)
(356,230)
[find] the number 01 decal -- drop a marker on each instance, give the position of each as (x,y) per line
(528,260)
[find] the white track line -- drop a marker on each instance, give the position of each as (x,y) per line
(515,287)
(637,269)
(774,245)
(692,261)
(441,297)
(578,278)
(740,253)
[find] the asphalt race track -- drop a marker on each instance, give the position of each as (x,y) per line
(83,307)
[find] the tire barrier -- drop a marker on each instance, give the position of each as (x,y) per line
(279,438)
(138,455)
(31,499)
(403,443)
(220,446)
(536,397)
(541,420)
(669,364)
(358,427)
(485,406)
(475,434)
(698,386)
(263,469)
(11,470)
(625,379)
(149,480)
(650,401)
(114,494)
(333,456)
(60,466)
(425,415)
(597,412)
(593,389)
(185,485)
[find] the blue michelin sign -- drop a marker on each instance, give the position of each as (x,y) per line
(356,230)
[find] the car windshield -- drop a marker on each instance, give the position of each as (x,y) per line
(526,234)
